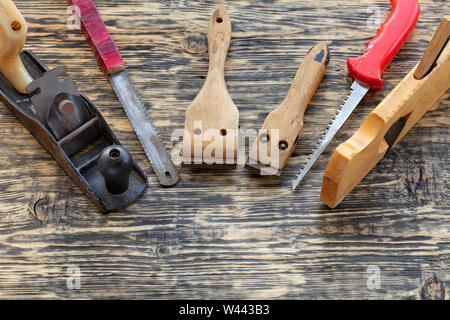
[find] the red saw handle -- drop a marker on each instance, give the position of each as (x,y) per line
(106,52)
(390,38)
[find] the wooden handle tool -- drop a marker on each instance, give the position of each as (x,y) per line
(110,61)
(212,119)
(388,123)
(283,127)
(13,33)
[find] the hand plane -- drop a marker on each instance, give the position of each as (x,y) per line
(283,126)
(211,126)
(391,120)
(64,121)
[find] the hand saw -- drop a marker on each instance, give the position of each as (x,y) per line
(388,123)
(366,70)
(111,62)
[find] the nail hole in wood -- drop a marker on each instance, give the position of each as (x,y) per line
(16,26)
(162,250)
(219,20)
(283,145)
(197,131)
(223,132)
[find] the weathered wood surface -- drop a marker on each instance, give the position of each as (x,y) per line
(228,234)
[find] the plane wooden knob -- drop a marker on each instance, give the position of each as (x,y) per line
(212,119)
(13,33)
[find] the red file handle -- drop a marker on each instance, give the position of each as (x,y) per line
(106,52)
(390,38)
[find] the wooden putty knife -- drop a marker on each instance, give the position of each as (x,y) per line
(212,120)
(283,126)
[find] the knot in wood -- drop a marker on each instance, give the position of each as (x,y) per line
(195,43)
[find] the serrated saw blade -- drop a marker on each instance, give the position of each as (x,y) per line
(145,129)
(358,92)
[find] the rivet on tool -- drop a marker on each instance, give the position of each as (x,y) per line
(66,107)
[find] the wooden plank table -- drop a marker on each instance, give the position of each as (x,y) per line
(228,234)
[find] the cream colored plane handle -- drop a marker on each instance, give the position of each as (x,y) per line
(13,32)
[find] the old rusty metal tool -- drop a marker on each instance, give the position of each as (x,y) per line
(283,126)
(64,121)
(367,69)
(110,60)
(212,120)
(391,120)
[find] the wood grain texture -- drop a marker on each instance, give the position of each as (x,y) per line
(227,234)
